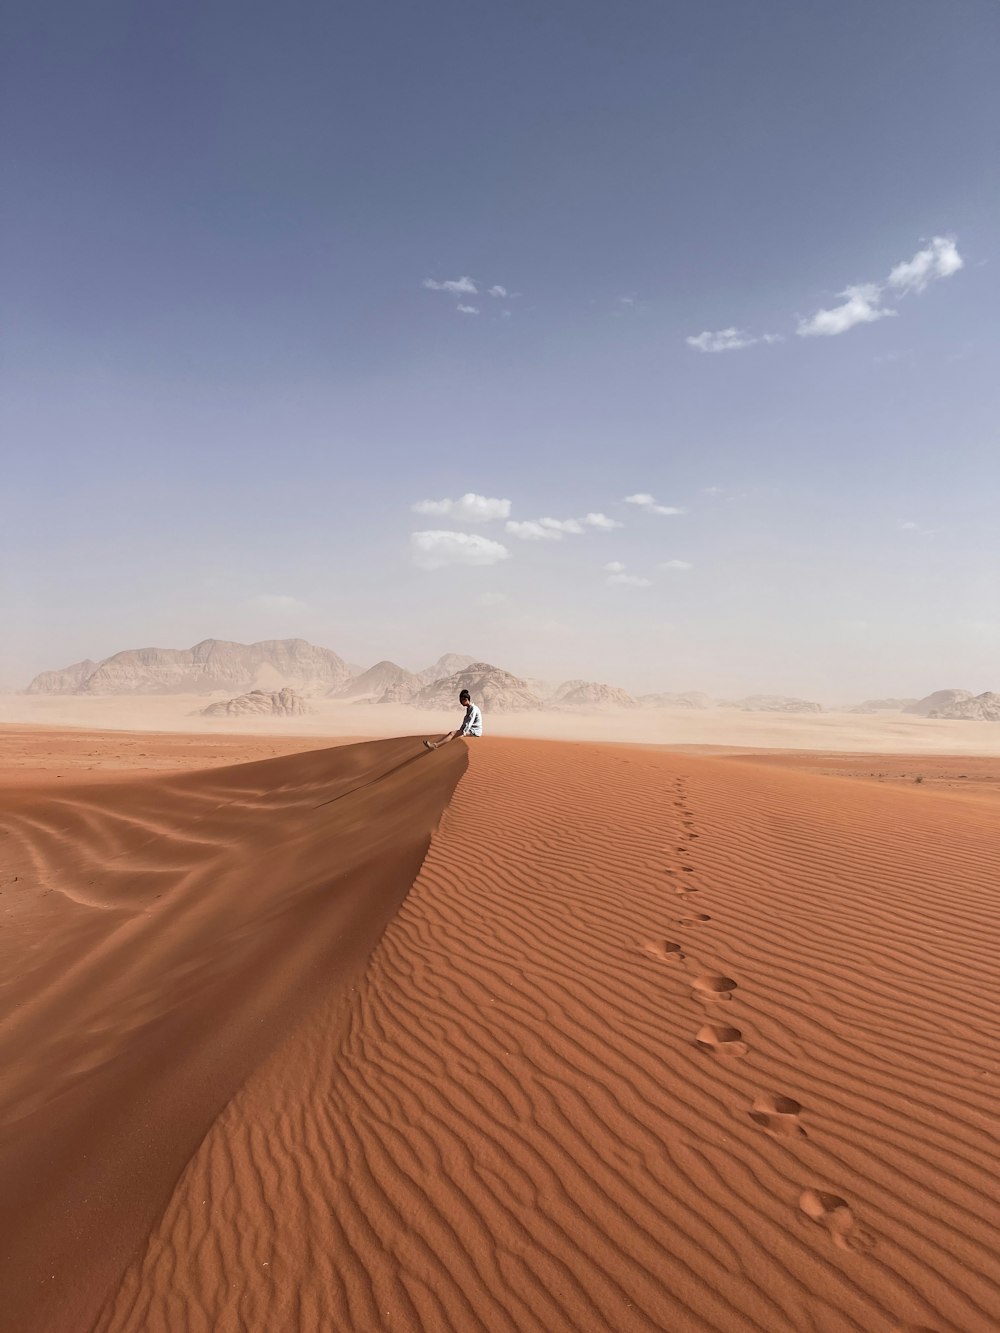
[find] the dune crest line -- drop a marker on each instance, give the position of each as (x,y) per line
(163,937)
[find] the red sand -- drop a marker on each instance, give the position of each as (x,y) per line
(654,1042)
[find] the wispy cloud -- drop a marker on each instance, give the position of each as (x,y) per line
(863,301)
(471,508)
(910,526)
(456,286)
(940,259)
(492,598)
(272,601)
(467,309)
(648,502)
(562,524)
(531,531)
(614,567)
(630,580)
(860,306)
(497,290)
(436,549)
(675,564)
(730,340)
(554,529)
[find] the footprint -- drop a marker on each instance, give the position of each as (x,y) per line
(778,1115)
(834,1213)
(718,1040)
(667,949)
(693,919)
(712,987)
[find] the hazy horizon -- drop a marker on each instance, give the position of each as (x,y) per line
(653,345)
(416,667)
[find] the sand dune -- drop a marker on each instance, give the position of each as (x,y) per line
(161,937)
(655,1042)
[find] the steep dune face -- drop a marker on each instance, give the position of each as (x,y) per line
(161,938)
(655,1043)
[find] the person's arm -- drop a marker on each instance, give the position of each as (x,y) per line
(463,729)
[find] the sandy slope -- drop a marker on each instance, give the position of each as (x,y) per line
(656,1042)
(160,938)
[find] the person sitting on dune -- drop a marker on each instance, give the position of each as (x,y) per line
(472,723)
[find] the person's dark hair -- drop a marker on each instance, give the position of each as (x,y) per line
(465,697)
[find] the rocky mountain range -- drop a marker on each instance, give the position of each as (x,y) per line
(241,670)
(212,665)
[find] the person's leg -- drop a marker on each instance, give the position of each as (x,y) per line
(433,745)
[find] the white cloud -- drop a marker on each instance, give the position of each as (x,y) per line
(269,601)
(530,531)
(940,259)
(492,598)
(434,550)
(467,309)
(457,286)
(675,564)
(860,307)
(601,521)
(712,490)
(471,508)
(863,303)
(648,502)
(729,340)
(910,526)
(497,290)
(632,580)
(614,567)
(626,300)
(561,524)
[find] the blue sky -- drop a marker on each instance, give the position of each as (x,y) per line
(227,383)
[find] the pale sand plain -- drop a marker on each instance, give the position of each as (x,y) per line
(518,1035)
(887,733)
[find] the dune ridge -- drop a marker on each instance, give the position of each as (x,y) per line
(162,936)
(655,1042)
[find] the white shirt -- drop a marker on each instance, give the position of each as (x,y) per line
(473,722)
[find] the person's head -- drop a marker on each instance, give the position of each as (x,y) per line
(465,698)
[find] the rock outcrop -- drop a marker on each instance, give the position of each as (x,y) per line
(494,690)
(773,703)
(66,681)
(446,665)
(266,703)
(940,699)
(590,696)
(212,665)
(689,699)
(979,708)
(378,680)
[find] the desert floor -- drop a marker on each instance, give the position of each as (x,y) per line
(523,1034)
(885,733)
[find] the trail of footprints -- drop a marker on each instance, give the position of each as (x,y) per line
(776,1114)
